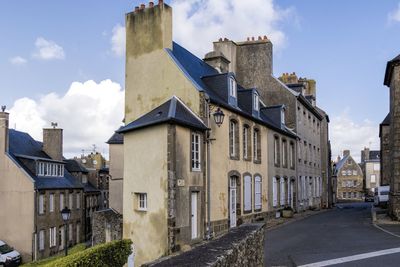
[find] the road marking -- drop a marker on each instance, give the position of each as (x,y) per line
(386,231)
(353,258)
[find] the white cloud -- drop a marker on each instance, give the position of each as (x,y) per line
(118,40)
(18,61)
(347,134)
(395,15)
(89,113)
(48,50)
(197,23)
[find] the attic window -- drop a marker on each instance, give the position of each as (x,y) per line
(283,116)
(256,102)
(232,87)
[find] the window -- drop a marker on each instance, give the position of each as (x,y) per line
(141,201)
(70,232)
(373,178)
(247,193)
(232,87)
(256,145)
(78,201)
(256,102)
(233,139)
(354,183)
(51,202)
(50,169)
(195,152)
(52,237)
(84,179)
(275,191)
(276,151)
(283,116)
(344,194)
(291,155)
(344,173)
(354,172)
(41,240)
(41,203)
(284,153)
(71,200)
(377,166)
(282,192)
(349,172)
(61,201)
(78,233)
(257,193)
(246,143)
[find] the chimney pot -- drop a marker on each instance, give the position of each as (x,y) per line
(226,39)
(248,38)
(136,8)
(151,4)
(220,39)
(265,37)
(142,6)
(259,38)
(160,2)
(252,38)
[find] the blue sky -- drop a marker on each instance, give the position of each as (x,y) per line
(343,45)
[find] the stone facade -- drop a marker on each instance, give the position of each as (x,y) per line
(384,134)
(350,185)
(107,226)
(371,167)
(392,80)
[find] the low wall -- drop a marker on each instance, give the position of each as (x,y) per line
(241,246)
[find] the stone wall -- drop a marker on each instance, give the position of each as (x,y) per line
(241,246)
(106,226)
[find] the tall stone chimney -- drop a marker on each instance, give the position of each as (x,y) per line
(346,153)
(4,119)
(148,36)
(218,61)
(53,142)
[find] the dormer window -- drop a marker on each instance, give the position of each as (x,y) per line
(232,87)
(283,116)
(256,102)
(50,169)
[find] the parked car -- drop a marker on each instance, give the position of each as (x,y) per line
(8,256)
(381,195)
(369,198)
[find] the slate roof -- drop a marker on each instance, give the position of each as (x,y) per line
(374,155)
(389,70)
(25,150)
(74,166)
(340,164)
(387,120)
(207,79)
(174,111)
(116,138)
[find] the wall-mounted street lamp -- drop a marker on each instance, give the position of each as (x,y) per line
(66,214)
(219,117)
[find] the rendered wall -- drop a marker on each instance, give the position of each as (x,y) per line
(117,174)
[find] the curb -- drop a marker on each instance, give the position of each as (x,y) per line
(295,219)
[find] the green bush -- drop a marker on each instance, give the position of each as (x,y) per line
(113,254)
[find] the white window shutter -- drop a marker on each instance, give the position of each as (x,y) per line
(282,189)
(247,193)
(257,192)
(274,192)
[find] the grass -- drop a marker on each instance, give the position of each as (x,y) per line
(43,262)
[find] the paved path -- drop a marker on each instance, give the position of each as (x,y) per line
(330,238)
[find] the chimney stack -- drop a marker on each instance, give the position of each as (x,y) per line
(142,6)
(53,142)
(4,119)
(346,153)
(151,4)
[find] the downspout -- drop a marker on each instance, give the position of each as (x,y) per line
(208,133)
(34,243)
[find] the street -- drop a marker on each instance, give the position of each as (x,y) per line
(329,239)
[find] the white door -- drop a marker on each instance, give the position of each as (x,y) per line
(194,215)
(232,202)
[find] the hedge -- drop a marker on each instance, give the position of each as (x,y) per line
(113,254)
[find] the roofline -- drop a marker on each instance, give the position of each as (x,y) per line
(38,158)
(389,70)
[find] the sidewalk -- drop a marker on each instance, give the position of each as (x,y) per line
(277,222)
(382,221)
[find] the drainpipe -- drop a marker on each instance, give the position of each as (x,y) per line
(208,133)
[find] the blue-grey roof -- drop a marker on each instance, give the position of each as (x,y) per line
(25,151)
(172,111)
(374,155)
(386,121)
(215,85)
(116,138)
(74,166)
(341,162)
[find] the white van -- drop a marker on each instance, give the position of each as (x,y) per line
(381,195)
(8,256)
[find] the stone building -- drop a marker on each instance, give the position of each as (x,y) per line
(371,167)
(392,80)
(349,179)
(187,178)
(34,188)
(384,130)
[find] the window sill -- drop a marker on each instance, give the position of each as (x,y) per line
(196,170)
(247,211)
(257,161)
(234,157)
(141,210)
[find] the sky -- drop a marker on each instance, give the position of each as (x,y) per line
(63,61)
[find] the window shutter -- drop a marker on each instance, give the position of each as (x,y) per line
(274,192)
(247,193)
(257,192)
(282,189)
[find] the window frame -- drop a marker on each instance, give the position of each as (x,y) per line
(276,151)
(234,143)
(257,145)
(246,142)
(247,193)
(41,208)
(141,201)
(51,202)
(232,87)
(257,194)
(195,154)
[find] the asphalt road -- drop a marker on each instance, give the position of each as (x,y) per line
(344,231)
